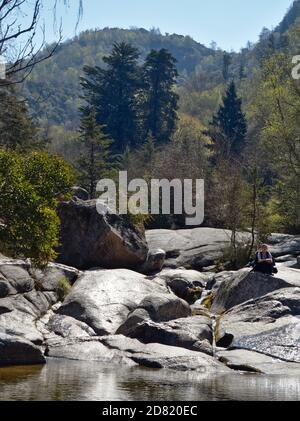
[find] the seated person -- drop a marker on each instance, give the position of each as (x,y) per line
(264,261)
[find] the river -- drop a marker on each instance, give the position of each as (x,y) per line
(62,380)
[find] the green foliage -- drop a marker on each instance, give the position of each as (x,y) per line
(17,131)
(234,257)
(229,127)
(29,187)
(63,288)
(159,100)
(94,163)
(132,102)
(112,93)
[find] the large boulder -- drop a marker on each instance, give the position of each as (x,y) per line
(158,308)
(282,340)
(242,286)
(194,248)
(89,239)
(18,351)
(193,333)
(269,325)
(103,298)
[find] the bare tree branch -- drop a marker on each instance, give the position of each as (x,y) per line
(17,40)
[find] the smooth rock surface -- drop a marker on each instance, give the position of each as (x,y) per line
(103,298)
(195,248)
(269,325)
(243,286)
(243,360)
(193,333)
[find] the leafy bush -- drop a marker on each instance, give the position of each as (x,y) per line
(234,258)
(63,288)
(30,187)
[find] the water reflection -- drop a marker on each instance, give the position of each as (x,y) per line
(66,380)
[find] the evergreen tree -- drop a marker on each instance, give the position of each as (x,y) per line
(17,130)
(226,65)
(161,102)
(229,127)
(112,92)
(94,162)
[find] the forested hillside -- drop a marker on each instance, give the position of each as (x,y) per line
(53,90)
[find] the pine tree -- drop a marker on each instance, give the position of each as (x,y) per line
(17,130)
(94,162)
(226,65)
(229,127)
(112,92)
(161,102)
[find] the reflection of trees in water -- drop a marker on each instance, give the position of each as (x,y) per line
(67,380)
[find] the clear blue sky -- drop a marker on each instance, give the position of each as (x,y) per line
(231,23)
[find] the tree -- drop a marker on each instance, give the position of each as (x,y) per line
(228,128)
(17,130)
(94,161)
(276,108)
(226,65)
(21,57)
(112,92)
(161,102)
(30,186)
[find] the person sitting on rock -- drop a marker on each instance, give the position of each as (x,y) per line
(264,261)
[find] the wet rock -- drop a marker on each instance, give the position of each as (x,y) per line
(269,325)
(87,349)
(163,356)
(18,351)
(243,360)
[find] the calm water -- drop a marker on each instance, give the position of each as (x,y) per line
(66,380)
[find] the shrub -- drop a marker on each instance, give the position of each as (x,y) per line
(30,187)
(63,288)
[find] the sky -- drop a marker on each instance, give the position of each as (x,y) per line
(230,23)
